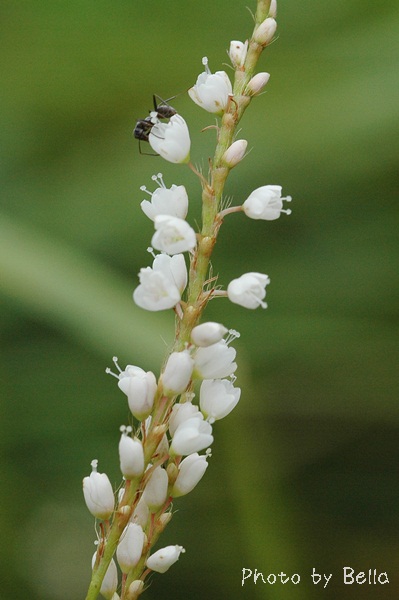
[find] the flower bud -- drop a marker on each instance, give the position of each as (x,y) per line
(191,470)
(235,153)
(273,9)
(130,547)
(98,493)
(191,436)
(173,235)
(110,581)
(257,83)
(248,290)
(135,589)
(131,455)
(171,140)
(141,513)
(238,53)
(177,373)
(208,333)
(218,397)
(164,558)
(264,34)
(155,491)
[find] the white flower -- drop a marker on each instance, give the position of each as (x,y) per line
(182,412)
(235,153)
(218,397)
(130,547)
(155,491)
(266,203)
(211,91)
(191,471)
(131,455)
(98,493)
(177,373)
(215,361)
(139,386)
(173,235)
(248,290)
(164,558)
(238,52)
(171,140)
(257,83)
(265,32)
(171,201)
(208,333)
(191,436)
(110,581)
(161,286)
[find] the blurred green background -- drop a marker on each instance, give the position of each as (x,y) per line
(305,472)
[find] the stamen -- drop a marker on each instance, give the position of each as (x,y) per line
(115,360)
(205,63)
(158,179)
(232,335)
(151,251)
(109,372)
(208,453)
(94,464)
(144,189)
(287,211)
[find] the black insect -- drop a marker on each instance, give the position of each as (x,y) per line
(162,111)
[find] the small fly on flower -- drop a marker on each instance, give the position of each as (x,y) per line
(162,110)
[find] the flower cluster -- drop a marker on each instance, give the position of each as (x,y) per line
(165,453)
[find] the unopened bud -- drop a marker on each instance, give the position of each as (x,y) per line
(257,83)
(273,9)
(235,153)
(135,589)
(265,32)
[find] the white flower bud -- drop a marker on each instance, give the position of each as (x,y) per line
(171,140)
(235,153)
(218,397)
(130,547)
(177,373)
(171,201)
(162,285)
(266,203)
(208,333)
(265,32)
(273,9)
(257,83)
(135,589)
(248,290)
(164,558)
(211,91)
(215,361)
(98,493)
(139,387)
(141,513)
(155,491)
(191,436)
(173,235)
(110,581)
(238,52)
(131,455)
(191,471)
(182,412)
